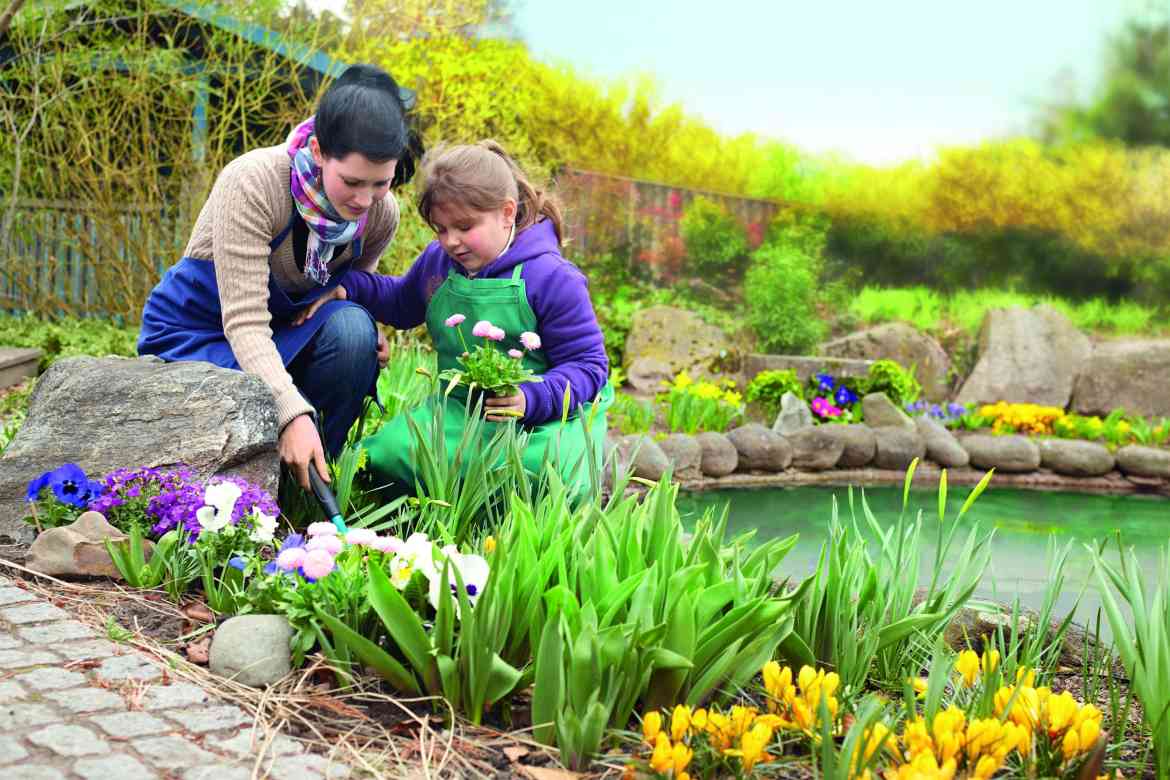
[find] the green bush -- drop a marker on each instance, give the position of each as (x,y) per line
(67,337)
(768,387)
(780,291)
(886,376)
(714,239)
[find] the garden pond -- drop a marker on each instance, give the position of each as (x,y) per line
(1024,520)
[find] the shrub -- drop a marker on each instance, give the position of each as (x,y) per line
(714,239)
(780,289)
(630,415)
(886,376)
(768,387)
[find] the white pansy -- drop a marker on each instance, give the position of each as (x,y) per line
(473,570)
(220,500)
(415,554)
(263,527)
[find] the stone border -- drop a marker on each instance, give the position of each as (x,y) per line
(926,475)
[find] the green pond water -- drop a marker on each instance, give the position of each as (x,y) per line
(1024,520)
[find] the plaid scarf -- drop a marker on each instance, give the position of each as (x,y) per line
(327,230)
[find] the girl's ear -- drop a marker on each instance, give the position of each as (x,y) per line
(509,210)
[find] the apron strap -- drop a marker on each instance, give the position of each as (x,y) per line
(516,272)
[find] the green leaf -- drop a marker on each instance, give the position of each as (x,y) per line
(403,625)
(372,655)
(548,691)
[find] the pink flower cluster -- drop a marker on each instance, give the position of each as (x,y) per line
(485,329)
(318,557)
(824,408)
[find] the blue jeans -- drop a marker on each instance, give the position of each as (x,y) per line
(337,370)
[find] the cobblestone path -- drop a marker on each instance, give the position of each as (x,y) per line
(75,705)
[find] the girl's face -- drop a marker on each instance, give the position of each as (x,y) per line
(353,183)
(473,238)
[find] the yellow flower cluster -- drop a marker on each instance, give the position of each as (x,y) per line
(741,732)
(1022,418)
(952,743)
(798,706)
(1075,727)
(711,391)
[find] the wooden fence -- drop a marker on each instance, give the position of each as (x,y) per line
(70,258)
(641,218)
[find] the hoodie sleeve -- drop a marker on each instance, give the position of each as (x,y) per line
(398,301)
(572,341)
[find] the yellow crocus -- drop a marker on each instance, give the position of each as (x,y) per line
(1087,734)
(1062,709)
(1070,746)
(489,545)
(662,759)
(699,720)
(967,665)
(985,767)
(680,722)
(920,685)
(680,757)
(989,661)
(651,725)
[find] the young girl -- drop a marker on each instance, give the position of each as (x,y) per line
(497,258)
(279,231)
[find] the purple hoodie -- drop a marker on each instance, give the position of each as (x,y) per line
(557,292)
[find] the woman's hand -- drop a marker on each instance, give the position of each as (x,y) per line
(299,445)
(336,294)
(509,407)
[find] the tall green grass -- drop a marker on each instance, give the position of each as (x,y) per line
(932,311)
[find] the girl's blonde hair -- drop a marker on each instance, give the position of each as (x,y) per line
(482,177)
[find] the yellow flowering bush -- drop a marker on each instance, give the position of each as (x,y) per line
(1004,417)
(695,406)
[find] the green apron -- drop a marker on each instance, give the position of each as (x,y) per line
(503,302)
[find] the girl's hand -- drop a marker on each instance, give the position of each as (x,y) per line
(383,350)
(299,444)
(336,294)
(509,407)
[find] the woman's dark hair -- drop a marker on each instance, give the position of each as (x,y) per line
(363,112)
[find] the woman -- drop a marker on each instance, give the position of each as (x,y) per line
(281,228)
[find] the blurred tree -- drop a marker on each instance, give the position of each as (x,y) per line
(1132,104)
(390,21)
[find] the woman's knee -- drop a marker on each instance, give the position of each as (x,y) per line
(351,331)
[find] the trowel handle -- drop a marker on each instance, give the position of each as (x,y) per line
(326,498)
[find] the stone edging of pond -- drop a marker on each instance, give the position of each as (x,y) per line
(796,452)
(926,475)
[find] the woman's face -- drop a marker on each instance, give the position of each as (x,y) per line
(353,183)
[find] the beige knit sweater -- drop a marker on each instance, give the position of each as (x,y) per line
(249,206)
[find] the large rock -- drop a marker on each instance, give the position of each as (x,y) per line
(648,375)
(1011,454)
(941,445)
(252,649)
(899,342)
(685,455)
(78,549)
(760,449)
(642,456)
(860,444)
(897,448)
(880,412)
(1026,356)
(1129,375)
(1075,458)
(720,457)
(679,339)
(108,413)
(1138,461)
(794,415)
(816,448)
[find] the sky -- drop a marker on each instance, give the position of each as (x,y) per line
(879,81)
